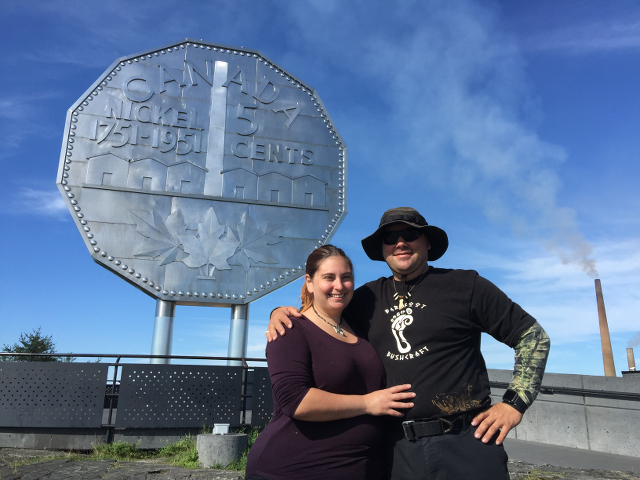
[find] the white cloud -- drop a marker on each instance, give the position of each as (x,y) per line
(562,298)
(634,341)
(434,96)
(588,38)
(20,119)
(42,202)
(459,109)
(456,114)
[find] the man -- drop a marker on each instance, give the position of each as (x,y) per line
(425,323)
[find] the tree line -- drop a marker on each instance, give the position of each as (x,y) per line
(34,342)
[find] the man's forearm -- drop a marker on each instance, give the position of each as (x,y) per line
(531,355)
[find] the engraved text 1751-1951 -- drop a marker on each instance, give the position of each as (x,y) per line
(202,174)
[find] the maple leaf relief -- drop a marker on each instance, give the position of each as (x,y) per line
(163,240)
(213,246)
(210,249)
(255,241)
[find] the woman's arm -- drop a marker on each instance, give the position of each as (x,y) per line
(295,391)
(320,406)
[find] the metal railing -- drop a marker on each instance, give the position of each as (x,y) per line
(112,387)
(113,394)
(578,391)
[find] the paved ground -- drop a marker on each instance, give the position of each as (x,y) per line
(61,468)
(530,461)
(541,453)
(528,471)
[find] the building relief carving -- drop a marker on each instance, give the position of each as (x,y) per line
(202,174)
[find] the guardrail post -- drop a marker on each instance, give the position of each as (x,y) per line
(238,334)
(163,331)
(113,396)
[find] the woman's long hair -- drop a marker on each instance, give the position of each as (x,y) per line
(314,261)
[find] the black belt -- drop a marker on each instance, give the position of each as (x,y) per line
(440,426)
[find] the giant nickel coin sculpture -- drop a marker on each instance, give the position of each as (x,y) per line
(202,174)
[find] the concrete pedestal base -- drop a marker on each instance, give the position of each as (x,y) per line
(220,449)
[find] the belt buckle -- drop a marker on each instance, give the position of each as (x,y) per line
(448,424)
(408,430)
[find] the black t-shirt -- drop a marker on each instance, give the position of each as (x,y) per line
(433,343)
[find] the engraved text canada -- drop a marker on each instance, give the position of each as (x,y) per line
(202,173)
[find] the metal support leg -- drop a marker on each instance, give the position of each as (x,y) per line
(163,330)
(238,334)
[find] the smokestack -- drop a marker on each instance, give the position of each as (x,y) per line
(631,360)
(607,353)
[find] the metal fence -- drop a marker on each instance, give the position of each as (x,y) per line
(114,395)
(72,405)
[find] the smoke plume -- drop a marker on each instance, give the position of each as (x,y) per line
(455,97)
(634,341)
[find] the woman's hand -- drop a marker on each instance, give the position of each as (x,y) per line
(279,319)
(385,402)
(321,406)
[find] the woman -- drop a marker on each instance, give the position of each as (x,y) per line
(327,388)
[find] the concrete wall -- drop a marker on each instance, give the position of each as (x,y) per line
(85,438)
(582,421)
(52,438)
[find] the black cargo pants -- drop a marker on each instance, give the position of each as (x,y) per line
(454,456)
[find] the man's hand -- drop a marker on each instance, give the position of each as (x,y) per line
(279,319)
(501,417)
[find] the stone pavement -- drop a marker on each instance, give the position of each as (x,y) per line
(61,468)
(529,471)
(54,466)
(543,453)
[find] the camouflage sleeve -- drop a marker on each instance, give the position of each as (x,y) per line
(532,351)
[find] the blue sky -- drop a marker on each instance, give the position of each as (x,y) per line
(510,124)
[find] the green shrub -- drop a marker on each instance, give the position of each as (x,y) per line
(120,451)
(252,435)
(182,454)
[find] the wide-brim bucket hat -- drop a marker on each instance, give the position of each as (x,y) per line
(437,237)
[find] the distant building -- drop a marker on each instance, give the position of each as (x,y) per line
(147,174)
(309,190)
(185,177)
(240,183)
(274,187)
(108,169)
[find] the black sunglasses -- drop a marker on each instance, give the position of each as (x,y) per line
(408,235)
